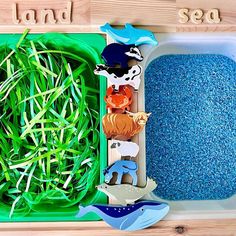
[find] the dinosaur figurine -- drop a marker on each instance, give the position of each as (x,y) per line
(129,35)
(130,218)
(125,193)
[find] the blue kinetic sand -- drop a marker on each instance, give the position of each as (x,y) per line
(191,134)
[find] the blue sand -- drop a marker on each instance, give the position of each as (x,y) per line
(191,134)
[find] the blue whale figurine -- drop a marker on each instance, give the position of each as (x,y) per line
(130,35)
(130,218)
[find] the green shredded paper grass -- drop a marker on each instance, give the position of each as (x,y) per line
(49,123)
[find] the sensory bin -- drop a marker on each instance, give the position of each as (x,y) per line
(190,137)
(52,152)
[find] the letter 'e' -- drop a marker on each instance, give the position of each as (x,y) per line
(196,16)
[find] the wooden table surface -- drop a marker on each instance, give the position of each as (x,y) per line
(163,228)
(87,15)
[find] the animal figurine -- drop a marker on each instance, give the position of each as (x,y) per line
(125,193)
(125,148)
(120,54)
(118,100)
(121,76)
(123,126)
(121,168)
(138,216)
(130,35)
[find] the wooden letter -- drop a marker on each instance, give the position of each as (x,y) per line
(196,16)
(64,16)
(14,14)
(183,14)
(47,16)
(213,16)
(28,17)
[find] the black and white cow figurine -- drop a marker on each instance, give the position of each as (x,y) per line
(119,54)
(121,76)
